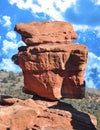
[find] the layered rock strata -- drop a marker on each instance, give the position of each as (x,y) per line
(53,66)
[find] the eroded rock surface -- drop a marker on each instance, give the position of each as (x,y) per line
(45,32)
(53,66)
(16,114)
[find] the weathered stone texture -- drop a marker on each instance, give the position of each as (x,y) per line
(53,66)
(16,114)
(45,32)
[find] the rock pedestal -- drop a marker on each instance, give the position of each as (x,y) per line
(53,66)
(17,114)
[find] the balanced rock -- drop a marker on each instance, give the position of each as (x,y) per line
(53,66)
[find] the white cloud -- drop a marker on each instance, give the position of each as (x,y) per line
(97,28)
(0,38)
(97,2)
(11,43)
(9,46)
(11,35)
(8,65)
(21,4)
(98,34)
(5,21)
(90,84)
(93,63)
(53,8)
(82,28)
(64,4)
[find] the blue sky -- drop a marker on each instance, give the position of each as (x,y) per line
(83,14)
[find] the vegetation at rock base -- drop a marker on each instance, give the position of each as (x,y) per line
(11,84)
(90,104)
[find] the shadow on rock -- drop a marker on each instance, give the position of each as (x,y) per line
(79,120)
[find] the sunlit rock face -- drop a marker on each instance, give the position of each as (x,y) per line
(17,114)
(53,66)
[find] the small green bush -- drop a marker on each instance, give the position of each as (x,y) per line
(5,80)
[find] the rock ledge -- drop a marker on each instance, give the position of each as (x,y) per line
(36,114)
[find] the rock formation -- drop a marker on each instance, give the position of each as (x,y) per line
(53,66)
(16,114)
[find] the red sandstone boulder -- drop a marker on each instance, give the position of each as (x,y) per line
(43,115)
(45,32)
(52,67)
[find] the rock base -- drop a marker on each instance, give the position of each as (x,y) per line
(39,114)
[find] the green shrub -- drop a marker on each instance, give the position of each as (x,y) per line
(5,80)
(12,76)
(97,114)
